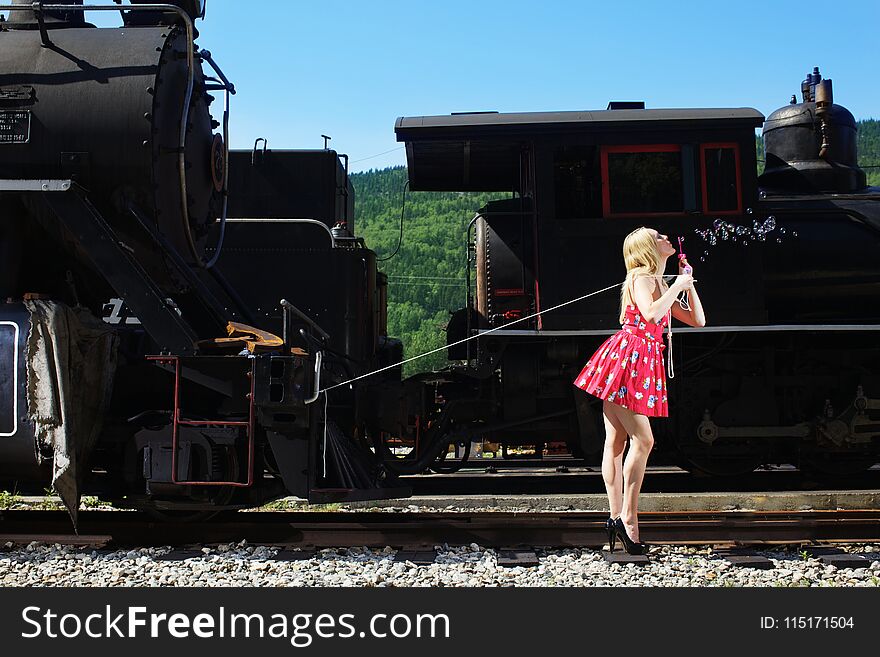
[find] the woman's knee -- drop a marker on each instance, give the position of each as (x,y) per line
(644,441)
(615,441)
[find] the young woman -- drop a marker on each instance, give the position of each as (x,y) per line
(627,373)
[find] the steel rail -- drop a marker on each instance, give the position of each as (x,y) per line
(488,529)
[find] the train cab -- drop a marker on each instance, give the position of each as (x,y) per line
(579,182)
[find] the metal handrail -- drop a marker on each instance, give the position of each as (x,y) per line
(286,220)
(229,90)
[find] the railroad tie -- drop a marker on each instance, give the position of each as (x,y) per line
(416,557)
(512,557)
(293,555)
(832,556)
(744,558)
(623,558)
(180,555)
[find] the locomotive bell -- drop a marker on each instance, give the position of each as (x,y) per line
(811,146)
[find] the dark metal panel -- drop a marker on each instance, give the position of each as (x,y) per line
(289,184)
(274,260)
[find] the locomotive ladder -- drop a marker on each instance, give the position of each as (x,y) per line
(178,422)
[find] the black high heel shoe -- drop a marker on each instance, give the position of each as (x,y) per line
(629,545)
(609,527)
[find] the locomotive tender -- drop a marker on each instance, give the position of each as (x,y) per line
(183,327)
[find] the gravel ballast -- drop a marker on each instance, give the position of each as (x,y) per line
(243,565)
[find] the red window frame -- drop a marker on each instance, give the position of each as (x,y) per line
(721,144)
(606,188)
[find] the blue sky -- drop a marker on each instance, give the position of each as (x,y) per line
(349,69)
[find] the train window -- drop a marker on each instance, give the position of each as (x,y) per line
(721,178)
(645,179)
(576,184)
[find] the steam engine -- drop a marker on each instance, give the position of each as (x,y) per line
(786,369)
(170,312)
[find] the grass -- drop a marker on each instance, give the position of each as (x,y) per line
(90,501)
(8,500)
(48,503)
(298,505)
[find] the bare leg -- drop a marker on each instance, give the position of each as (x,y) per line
(641,443)
(612,460)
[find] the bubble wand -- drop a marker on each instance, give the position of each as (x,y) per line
(683,258)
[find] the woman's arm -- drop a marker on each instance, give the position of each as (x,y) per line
(693,317)
(643,293)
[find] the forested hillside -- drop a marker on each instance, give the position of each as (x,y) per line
(426,275)
(869,149)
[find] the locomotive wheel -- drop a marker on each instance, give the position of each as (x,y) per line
(442,466)
(221,496)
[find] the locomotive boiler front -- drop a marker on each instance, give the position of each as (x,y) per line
(104,109)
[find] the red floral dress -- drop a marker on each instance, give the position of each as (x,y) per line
(628,368)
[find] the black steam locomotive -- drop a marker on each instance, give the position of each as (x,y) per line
(171,310)
(185,329)
(786,370)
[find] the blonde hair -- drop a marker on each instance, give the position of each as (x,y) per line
(641,257)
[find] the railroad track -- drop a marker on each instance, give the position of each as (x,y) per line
(120,529)
(573,477)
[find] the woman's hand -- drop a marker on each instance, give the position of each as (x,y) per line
(683,282)
(682,264)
